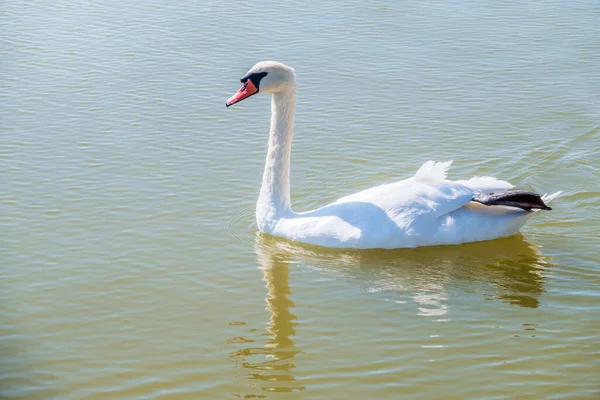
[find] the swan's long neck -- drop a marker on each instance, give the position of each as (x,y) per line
(274,200)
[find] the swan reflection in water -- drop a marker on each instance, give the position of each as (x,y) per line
(272,364)
(510,270)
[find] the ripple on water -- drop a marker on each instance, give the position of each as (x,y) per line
(269,367)
(240,224)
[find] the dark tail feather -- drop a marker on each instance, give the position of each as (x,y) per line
(518,198)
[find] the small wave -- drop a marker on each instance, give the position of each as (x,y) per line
(240,225)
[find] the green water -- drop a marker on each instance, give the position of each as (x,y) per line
(131,268)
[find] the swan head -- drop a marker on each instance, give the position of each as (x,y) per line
(265,77)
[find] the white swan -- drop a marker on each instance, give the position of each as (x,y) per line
(424,210)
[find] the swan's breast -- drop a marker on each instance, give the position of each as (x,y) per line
(327,230)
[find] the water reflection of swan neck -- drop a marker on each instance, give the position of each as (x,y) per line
(276,274)
(271,364)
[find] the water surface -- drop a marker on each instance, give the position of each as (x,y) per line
(131,265)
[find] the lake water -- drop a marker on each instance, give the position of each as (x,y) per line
(131,268)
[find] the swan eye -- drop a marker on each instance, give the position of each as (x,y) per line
(255,77)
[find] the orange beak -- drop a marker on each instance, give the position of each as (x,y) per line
(247,90)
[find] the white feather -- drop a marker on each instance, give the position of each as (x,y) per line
(547,198)
(433,171)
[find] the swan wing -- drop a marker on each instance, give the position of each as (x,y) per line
(427,192)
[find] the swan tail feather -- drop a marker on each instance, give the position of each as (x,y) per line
(486,184)
(547,198)
(432,171)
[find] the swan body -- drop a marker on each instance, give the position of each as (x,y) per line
(424,210)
